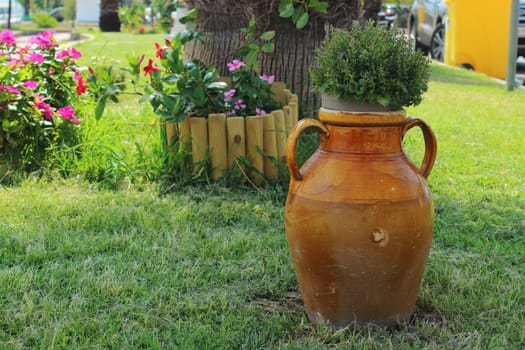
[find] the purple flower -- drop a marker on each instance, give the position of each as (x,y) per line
(228,94)
(235,64)
(268,78)
(260,111)
(7,37)
(30,84)
(239,105)
(10,89)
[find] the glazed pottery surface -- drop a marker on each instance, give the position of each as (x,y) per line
(359,218)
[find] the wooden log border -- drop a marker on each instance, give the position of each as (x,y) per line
(223,139)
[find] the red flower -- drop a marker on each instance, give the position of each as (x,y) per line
(81,84)
(150,68)
(160,51)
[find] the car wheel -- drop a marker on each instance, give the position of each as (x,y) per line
(437,43)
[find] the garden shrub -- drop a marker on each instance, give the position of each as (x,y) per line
(40,84)
(44,20)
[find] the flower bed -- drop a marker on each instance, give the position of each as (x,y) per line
(221,123)
(223,140)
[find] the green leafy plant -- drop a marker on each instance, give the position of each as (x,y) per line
(299,10)
(107,82)
(179,88)
(44,20)
(39,85)
(370,64)
(252,44)
(132,17)
(164,9)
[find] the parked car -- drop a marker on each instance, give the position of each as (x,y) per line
(58,13)
(393,13)
(427,24)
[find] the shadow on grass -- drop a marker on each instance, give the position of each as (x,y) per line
(425,312)
(460,76)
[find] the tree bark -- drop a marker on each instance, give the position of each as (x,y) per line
(108,20)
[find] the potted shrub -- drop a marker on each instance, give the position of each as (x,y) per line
(369,68)
(359,215)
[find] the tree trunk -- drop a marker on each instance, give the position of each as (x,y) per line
(26,9)
(221,21)
(109,21)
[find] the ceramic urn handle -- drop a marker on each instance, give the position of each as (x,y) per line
(293,139)
(430,144)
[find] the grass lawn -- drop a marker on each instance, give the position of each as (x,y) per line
(83,267)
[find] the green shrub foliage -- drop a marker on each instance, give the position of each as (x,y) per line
(45,20)
(371,64)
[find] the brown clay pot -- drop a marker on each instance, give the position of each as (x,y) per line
(359,218)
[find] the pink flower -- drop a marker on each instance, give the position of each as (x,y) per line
(30,84)
(259,111)
(7,37)
(68,113)
(43,107)
(228,94)
(13,63)
(69,52)
(36,58)
(268,78)
(239,105)
(74,53)
(44,39)
(235,64)
(62,54)
(10,89)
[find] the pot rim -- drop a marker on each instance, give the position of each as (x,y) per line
(336,117)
